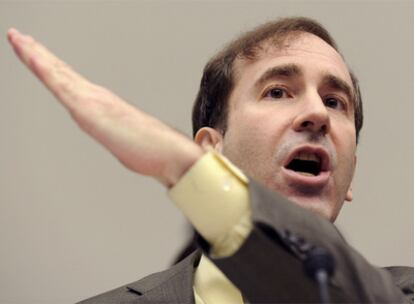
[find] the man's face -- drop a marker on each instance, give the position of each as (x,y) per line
(291,123)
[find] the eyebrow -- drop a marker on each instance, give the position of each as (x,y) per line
(340,85)
(293,70)
(288,70)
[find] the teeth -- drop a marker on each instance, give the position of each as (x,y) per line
(307,156)
(305,173)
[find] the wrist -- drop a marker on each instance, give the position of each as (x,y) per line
(177,166)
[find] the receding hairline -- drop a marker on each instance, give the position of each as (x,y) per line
(277,42)
(218,81)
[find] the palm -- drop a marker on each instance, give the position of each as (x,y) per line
(139,141)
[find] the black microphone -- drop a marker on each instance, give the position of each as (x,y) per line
(320,266)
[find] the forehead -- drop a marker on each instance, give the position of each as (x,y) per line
(306,50)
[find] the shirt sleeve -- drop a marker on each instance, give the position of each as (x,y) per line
(213,195)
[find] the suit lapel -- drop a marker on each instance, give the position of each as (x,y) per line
(174,285)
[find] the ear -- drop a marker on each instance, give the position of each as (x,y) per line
(349,195)
(208,137)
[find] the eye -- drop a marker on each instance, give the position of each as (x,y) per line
(335,103)
(276,93)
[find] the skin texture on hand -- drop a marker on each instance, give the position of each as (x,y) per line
(139,141)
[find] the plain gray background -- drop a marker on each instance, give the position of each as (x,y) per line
(74,222)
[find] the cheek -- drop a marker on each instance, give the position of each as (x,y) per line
(255,122)
(346,149)
(248,129)
(242,145)
(247,142)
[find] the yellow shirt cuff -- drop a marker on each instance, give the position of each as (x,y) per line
(213,195)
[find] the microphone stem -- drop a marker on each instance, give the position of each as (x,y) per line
(322,279)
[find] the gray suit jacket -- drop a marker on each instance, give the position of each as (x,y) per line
(268,268)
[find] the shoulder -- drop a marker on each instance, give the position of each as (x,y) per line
(117,295)
(173,285)
(403,277)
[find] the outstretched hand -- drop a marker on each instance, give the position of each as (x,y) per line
(139,141)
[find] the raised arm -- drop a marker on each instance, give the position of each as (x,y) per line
(139,141)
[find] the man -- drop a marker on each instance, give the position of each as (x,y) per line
(281,104)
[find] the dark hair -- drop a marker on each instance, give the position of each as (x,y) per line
(211,104)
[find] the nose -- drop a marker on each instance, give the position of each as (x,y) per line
(313,116)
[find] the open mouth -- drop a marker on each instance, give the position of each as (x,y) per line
(308,162)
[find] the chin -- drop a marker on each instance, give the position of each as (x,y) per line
(315,205)
(314,199)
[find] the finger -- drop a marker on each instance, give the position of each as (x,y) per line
(67,85)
